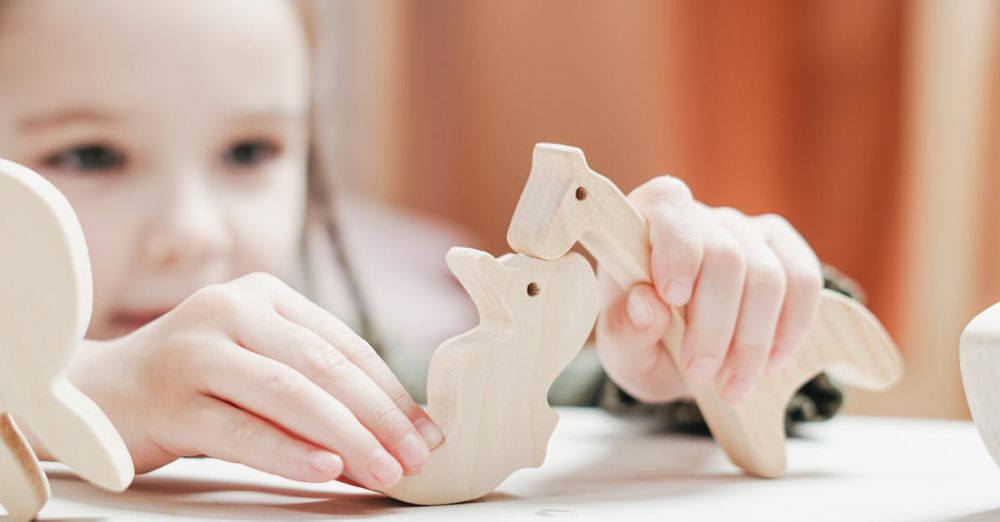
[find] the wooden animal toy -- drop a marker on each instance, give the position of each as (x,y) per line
(487,388)
(564,201)
(979,353)
(45,306)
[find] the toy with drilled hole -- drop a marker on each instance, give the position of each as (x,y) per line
(488,387)
(45,306)
(564,202)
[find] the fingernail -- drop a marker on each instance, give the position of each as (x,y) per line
(737,389)
(678,292)
(639,311)
(413,452)
(326,462)
(701,369)
(430,432)
(385,469)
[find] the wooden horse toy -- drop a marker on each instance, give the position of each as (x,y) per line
(565,202)
(45,306)
(980,361)
(487,388)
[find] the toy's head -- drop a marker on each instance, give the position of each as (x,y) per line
(517,295)
(549,216)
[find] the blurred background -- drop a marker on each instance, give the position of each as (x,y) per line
(871,125)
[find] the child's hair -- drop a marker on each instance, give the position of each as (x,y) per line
(321,197)
(320,204)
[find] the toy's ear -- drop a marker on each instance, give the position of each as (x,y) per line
(45,279)
(477,270)
(486,281)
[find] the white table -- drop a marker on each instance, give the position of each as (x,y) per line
(601,467)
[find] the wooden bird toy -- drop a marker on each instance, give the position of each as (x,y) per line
(487,388)
(979,353)
(45,306)
(564,201)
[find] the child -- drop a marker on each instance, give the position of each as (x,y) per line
(179,132)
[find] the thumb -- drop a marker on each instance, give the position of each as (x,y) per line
(628,336)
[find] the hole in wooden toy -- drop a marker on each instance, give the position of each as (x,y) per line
(533,289)
(581,193)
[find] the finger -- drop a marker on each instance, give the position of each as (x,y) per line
(674,236)
(279,394)
(803,287)
(763,294)
(715,306)
(628,336)
(279,339)
(224,432)
(297,309)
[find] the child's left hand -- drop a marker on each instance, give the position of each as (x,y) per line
(751,285)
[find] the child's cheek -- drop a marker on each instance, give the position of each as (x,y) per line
(269,226)
(111,242)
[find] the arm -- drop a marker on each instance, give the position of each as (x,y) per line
(254,373)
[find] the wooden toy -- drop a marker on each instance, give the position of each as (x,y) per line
(565,201)
(487,388)
(979,353)
(45,306)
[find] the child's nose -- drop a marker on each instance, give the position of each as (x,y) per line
(190,227)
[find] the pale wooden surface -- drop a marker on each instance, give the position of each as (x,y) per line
(601,467)
(487,388)
(45,306)
(980,364)
(564,201)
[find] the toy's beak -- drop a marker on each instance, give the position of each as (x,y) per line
(482,275)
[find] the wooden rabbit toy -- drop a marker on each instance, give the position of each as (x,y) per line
(488,387)
(45,306)
(565,202)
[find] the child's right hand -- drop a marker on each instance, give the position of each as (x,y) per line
(254,373)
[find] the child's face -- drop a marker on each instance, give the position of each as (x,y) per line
(177,130)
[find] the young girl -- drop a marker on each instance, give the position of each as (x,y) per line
(179,131)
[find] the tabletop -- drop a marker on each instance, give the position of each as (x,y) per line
(603,467)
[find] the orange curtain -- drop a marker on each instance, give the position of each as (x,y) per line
(867,124)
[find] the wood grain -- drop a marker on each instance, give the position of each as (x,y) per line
(487,388)
(564,201)
(980,363)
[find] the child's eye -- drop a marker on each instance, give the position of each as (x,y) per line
(87,158)
(250,153)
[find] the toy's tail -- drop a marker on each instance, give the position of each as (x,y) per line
(866,356)
(847,341)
